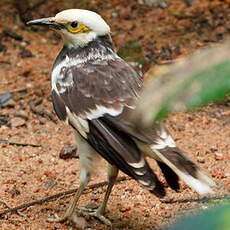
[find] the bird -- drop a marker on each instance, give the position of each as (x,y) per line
(95,91)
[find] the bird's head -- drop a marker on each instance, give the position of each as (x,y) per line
(77,27)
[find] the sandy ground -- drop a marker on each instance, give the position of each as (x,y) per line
(31,173)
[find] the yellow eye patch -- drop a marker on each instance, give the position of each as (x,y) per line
(79,29)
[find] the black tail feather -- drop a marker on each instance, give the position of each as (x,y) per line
(170,176)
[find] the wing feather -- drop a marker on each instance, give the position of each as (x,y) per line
(110,86)
(121,150)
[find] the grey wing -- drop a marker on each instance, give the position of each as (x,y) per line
(100,88)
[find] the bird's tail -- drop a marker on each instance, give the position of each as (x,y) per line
(174,164)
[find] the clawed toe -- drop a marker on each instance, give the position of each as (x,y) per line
(97,214)
(57,219)
(84,211)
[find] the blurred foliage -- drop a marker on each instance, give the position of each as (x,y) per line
(212,219)
(210,85)
(195,81)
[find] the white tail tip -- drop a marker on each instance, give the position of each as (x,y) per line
(197,184)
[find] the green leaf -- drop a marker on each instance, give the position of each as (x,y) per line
(211,85)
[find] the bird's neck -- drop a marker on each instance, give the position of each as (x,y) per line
(99,49)
(100,43)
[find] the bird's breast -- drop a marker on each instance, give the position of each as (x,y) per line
(62,76)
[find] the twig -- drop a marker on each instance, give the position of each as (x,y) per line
(13,90)
(5,62)
(5,204)
(3,91)
(18,144)
(55,196)
(17,211)
(21,116)
(41,112)
(202,199)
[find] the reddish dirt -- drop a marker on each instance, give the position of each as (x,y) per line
(31,173)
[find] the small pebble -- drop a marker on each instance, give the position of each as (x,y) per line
(5,99)
(68,152)
(147,214)
(17,122)
(200,159)
(95,191)
(218,156)
(49,184)
(42,120)
(126,214)
(43,40)
(213,149)
(26,53)
(23,44)
(52,160)
(40,161)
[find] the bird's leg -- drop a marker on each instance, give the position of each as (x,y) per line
(84,179)
(88,157)
(99,213)
(112,176)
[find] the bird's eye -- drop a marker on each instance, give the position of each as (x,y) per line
(77,28)
(74,25)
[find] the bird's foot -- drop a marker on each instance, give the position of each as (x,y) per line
(97,213)
(58,219)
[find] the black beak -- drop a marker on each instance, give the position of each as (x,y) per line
(46,22)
